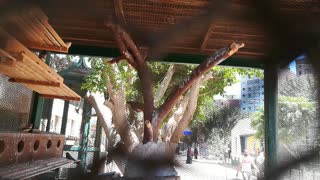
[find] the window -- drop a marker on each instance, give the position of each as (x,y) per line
(243,88)
(243,108)
(249,95)
(243,95)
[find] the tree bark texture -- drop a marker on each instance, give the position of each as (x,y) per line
(203,68)
(125,43)
(187,116)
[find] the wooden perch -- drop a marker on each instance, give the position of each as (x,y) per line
(216,58)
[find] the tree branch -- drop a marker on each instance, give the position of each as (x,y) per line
(188,114)
(164,84)
(125,42)
(175,119)
(204,67)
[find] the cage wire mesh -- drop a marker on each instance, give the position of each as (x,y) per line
(298,118)
(15,103)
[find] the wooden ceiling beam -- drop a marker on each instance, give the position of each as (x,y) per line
(205,39)
(28,81)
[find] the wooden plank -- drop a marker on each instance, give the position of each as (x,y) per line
(7,55)
(205,39)
(44,19)
(23,27)
(12,45)
(47,33)
(28,81)
(70,98)
(35,67)
(48,48)
(34,23)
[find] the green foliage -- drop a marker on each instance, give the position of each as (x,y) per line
(294,116)
(123,75)
(96,81)
(222,118)
(257,122)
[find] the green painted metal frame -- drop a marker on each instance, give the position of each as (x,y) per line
(65,117)
(84,130)
(36,110)
(171,57)
(37,106)
(270,113)
(50,106)
(97,141)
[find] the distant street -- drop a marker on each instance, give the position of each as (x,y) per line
(205,169)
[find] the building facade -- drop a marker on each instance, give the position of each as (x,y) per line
(252,94)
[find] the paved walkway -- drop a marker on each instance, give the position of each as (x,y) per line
(205,169)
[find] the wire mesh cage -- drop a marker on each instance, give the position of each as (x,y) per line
(298,118)
(14,110)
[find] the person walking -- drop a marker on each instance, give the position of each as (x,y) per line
(189,155)
(246,165)
(195,153)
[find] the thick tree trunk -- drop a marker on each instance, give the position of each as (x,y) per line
(104,113)
(164,84)
(204,67)
(175,119)
(135,58)
(188,114)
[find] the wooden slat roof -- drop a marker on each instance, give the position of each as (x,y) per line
(82,23)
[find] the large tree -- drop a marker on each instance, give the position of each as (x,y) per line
(124,102)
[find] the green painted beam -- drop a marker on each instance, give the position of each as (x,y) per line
(97,141)
(172,57)
(65,117)
(49,113)
(36,110)
(84,136)
(78,148)
(270,106)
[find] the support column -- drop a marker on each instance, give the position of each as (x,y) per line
(97,142)
(84,130)
(48,113)
(36,110)
(270,113)
(65,117)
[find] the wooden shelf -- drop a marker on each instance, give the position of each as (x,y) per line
(30,26)
(23,66)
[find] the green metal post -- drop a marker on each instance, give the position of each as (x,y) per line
(84,136)
(37,105)
(65,117)
(36,110)
(270,113)
(97,142)
(49,114)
